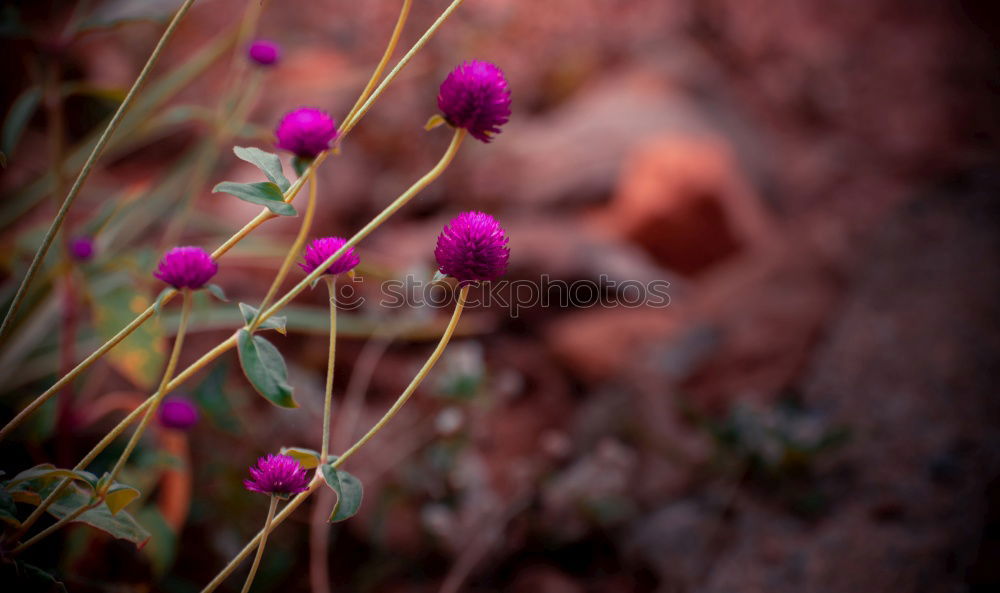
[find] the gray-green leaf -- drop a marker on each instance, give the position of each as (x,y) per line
(349,493)
(121,525)
(18,117)
(275,323)
(263,193)
(265,368)
(267,162)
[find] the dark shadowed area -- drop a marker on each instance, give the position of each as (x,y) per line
(807,401)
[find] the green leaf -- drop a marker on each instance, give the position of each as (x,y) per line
(18,117)
(118,12)
(28,577)
(300,165)
(267,162)
(118,497)
(275,323)
(439,276)
(435,121)
(8,510)
(263,193)
(307,458)
(349,493)
(265,368)
(211,398)
(121,525)
(217,292)
(49,472)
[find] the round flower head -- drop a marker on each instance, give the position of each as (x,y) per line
(472,247)
(475,96)
(306,132)
(82,248)
(177,413)
(186,267)
(319,250)
(278,475)
(264,52)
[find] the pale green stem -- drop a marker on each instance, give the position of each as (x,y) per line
(161,391)
(263,540)
(50,234)
(352,121)
(331,285)
(318,479)
(292,255)
(404,13)
(54,527)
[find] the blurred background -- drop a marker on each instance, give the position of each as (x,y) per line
(815,410)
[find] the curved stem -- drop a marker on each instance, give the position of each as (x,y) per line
(161,391)
(263,540)
(54,527)
(404,13)
(318,479)
(331,286)
(50,234)
(361,111)
(292,255)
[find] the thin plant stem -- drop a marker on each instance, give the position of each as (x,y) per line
(263,540)
(186,302)
(50,234)
(331,286)
(54,527)
(318,479)
(404,13)
(293,253)
(230,342)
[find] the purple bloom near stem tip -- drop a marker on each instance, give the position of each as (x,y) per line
(177,413)
(475,96)
(277,475)
(319,250)
(186,267)
(264,52)
(306,132)
(82,248)
(472,247)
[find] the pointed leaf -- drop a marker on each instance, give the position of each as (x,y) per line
(300,164)
(18,117)
(48,471)
(158,303)
(121,525)
(118,497)
(307,458)
(217,292)
(435,121)
(267,162)
(8,510)
(438,277)
(349,493)
(263,193)
(31,578)
(275,323)
(265,368)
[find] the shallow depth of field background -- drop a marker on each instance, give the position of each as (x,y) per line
(816,410)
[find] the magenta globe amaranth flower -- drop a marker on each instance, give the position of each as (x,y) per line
(177,413)
(264,53)
(475,96)
(472,247)
(319,250)
(306,132)
(277,475)
(186,267)
(81,248)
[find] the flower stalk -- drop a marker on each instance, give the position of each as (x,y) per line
(263,540)
(331,286)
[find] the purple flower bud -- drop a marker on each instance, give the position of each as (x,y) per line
(82,248)
(472,247)
(306,132)
(186,267)
(277,475)
(177,413)
(319,250)
(475,96)
(264,52)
